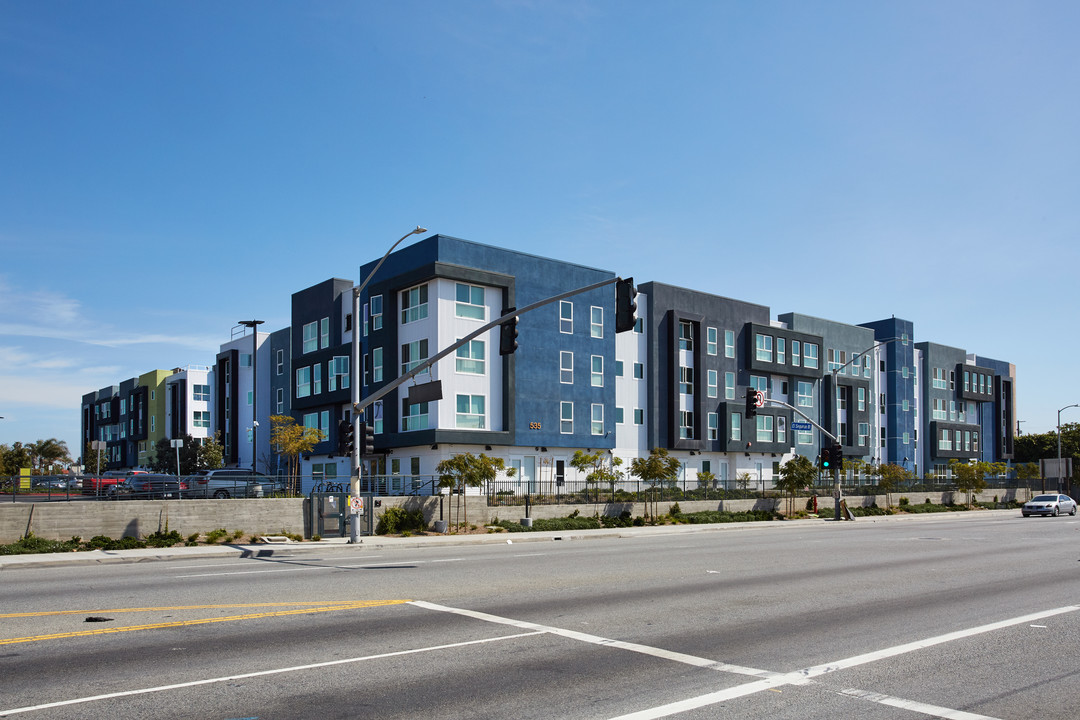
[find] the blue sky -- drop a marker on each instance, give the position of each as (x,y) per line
(167,169)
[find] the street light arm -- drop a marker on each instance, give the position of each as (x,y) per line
(360,288)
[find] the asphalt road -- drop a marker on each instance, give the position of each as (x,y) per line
(967,616)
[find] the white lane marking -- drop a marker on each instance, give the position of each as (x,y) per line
(913,706)
(260,673)
(597,640)
(532,554)
(817,670)
(268,559)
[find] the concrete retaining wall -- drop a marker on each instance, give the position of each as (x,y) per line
(138,518)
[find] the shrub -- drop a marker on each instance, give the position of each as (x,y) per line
(395,520)
(904,502)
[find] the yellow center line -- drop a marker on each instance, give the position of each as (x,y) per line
(205,621)
(46,613)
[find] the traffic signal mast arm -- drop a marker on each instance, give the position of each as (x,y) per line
(395,384)
(804,417)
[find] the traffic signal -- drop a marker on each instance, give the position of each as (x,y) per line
(751,402)
(367,439)
(826,458)
(346,441)
(832,457)
(508,334)
(838,456)
(625,305)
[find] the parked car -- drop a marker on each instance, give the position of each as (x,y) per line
(1049,505)
(100,485)
(148,486)
(226,483)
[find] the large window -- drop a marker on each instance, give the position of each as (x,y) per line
(810,355)
(339,372)
(596,375)
(414,304)
(413,354)
(376,313)
(805,394)
(311,337)
(736,426)
(760,383)
(470,301)
(764,344)
(596,322)
(470,358)
(686,335)
(566,367)
(201,419)
(200,392)
(765,428)
(470,411)
(303,382)
(596,427)
(414,416)
(566,417)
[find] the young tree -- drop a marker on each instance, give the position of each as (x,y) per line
(468,470)
(969,478)
(743,480)
(1027,472)
(795,474)
(599,467)
(659,467)
(291,441)
(211,453)
(706,479)
(889,476)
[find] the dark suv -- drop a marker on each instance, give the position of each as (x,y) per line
(225,483)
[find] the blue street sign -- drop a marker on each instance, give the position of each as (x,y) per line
(800,426)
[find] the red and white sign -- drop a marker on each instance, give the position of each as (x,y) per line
(759,399)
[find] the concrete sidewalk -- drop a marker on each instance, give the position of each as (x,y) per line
(383,542)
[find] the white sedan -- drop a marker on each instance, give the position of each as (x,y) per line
(1049,505)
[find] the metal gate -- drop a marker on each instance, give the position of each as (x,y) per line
(330,514)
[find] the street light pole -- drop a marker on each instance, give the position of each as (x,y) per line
(354,379)
(1059,446)
(254,325)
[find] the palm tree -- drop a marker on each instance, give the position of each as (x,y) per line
(48,453)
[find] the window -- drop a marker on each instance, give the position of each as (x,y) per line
(804,437)
(639,416)
(729,386)
(201,419)
(736,426)
(618,368)
(781,429)
(470,358)
(316,378)
(245,359)
(804,394)
(764,345)
(566,367)
(810,355)
(303,382)
(596,322)
(686,335)
(413,354)
(338,371)
(952,379)
(713,383)
(618,416)
(864,434)
(781,350)
(311,337)
(200,392)
(938,381)
(866,366)
(311,421)
(686,380)
(280,358)
(470,301)
(967,380)
(639,326)
(376,365)
(376,313)
(945,440)
(861,404)
(765,428)
(597,424)
(686,424)
(566,417)
(414,416)
(414,304)
(280,404)
(324,332)
(566,316)
(729,343)
(377,413)
(596,375)
(760,383)
(796,359)
(711,340)
(470,411)
(639,371)
(714,426)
